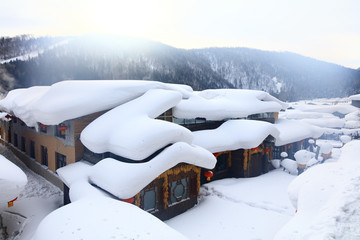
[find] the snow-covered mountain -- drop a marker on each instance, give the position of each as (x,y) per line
(286,75)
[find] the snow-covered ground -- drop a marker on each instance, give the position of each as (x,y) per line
(38,198)
(321,203)
(245,208)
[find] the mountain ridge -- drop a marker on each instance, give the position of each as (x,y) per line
(286,75)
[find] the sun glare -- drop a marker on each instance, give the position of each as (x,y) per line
(133,18)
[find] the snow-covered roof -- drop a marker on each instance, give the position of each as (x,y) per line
(131,131)
(294,131)
(355,97)
(12,180)
(103,218)
(334,122)
(219,104)
(125,180)
(235,134)
(343,108)
(76,177)
(72,99)
(297,114)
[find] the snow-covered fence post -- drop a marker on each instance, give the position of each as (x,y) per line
(325,150)
(311,145)
(302,157)
(345,139)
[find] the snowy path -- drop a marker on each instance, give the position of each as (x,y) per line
(251,208)
(246,208)
(38,199)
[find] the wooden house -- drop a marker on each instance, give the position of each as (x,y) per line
(54,131)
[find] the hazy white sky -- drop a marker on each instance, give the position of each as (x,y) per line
(324,29)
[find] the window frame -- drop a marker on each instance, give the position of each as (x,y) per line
(60,160)
(44,155)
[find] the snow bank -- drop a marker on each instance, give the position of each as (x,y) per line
(12,181)
(235,134)
(72,99)
(222,104)
(102,218)
(294,131)
(130,131)
(125,180)
(327,199)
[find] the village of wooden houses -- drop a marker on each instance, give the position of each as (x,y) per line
(154,145)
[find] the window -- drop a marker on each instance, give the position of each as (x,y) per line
(44,155)
(60,160)
(222,162)
(150,199)
(32,149)
(167,116)
(9,134)
(23,144)
(276,152)
(61,130)
(179,191)
(43,128)
(15,140)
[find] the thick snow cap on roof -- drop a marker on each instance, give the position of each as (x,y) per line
(341,108)
(219,104)
(125,180)
(72,99)
(235,134)
(12,180)
(76,177)
(130,130)
(294,131)
(355,97)
(103,218)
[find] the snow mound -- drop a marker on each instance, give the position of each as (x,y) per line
(276,163)
(235,134)
(102,218)
(303,156)
(125,180)
(130,131)
(345,139)
(12,181)
(326,147)
(290,166)
(219,104)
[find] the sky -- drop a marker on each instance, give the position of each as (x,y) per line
(327,30)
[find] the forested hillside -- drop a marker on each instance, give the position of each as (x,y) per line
(43,61)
